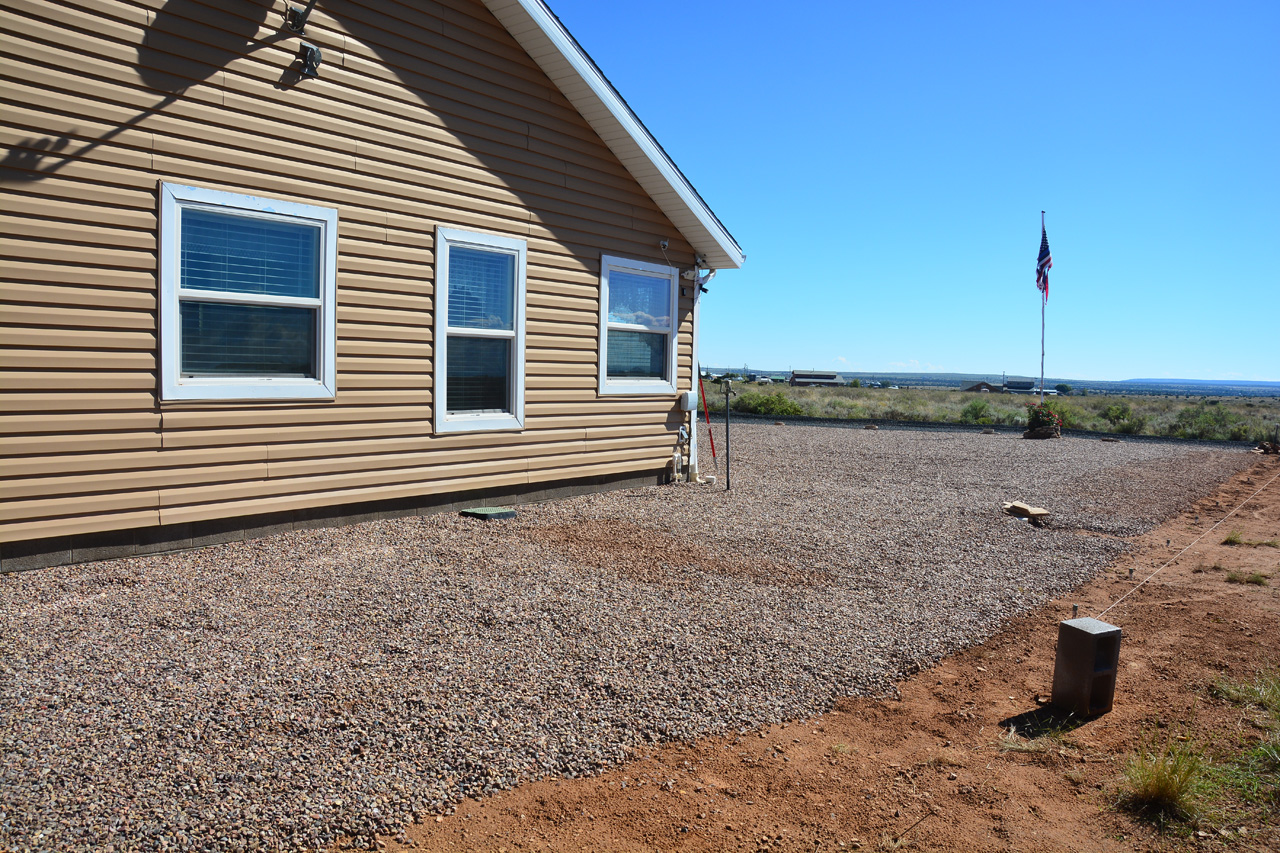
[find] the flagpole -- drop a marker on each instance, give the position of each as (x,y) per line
(1043,300)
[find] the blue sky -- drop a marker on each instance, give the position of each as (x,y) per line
(884,166)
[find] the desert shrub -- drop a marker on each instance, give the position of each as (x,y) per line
(975,411)
(1117,412)
(1133,425)
(906,411)
(1072,416)
(1209,422)
(1006,414)
(834,407)
(774,405)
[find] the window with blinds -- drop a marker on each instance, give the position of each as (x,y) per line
(248,292)
(479,331)
(637,327)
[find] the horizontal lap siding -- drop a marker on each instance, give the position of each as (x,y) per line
(424,114)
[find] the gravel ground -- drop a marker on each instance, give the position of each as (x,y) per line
(316,685)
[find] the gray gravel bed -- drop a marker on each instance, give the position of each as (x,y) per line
(281,693)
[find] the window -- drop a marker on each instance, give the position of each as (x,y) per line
(637,327)
(247,292)
(479,332)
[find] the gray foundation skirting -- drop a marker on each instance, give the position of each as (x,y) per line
(88,547)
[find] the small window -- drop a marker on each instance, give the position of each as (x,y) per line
(637,327)
(247,292)
(479,332)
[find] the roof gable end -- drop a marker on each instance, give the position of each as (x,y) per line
(536,28)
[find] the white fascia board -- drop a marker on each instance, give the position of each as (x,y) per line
(546,40)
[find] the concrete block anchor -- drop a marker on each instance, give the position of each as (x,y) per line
(1084,673)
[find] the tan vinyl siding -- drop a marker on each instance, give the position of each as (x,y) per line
(425,114)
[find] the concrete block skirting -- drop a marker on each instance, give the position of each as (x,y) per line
(90,547)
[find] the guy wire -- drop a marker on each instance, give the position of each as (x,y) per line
(1193,542)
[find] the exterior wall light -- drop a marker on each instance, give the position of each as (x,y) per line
(296,19)
(309,57)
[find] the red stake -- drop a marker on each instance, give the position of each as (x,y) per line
(707,412)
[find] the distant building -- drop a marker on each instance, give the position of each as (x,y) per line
(1027,386)
(815,378)
(983,386)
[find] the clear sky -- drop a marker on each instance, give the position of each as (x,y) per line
(884,166)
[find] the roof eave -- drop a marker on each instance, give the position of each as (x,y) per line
(545,38)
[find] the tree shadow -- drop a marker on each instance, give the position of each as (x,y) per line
(188,42)
(1042,721)
(170,63)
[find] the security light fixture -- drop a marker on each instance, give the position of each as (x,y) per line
(310,57)
(296,19)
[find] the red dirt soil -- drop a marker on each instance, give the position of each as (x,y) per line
(931,769)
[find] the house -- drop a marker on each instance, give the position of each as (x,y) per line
(272,267)
(815,378)
(1020,386)
(982,386)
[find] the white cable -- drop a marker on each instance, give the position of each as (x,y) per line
(1184,550)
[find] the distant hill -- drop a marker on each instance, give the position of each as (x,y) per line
(1209,382)
(1178,387)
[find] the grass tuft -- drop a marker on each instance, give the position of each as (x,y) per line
(1257,578)
(1049,743)
(1161,781)
(947,758)
(1255,775)
(1262,692)
(1233,538)
(1011,741)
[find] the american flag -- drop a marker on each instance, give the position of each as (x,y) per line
(1044,263)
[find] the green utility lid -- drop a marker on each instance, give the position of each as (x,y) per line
(489,513)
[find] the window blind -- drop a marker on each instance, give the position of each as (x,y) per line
(479,374)
(641,300)
(637,355)
(481,289)
(226,339)
(247,254)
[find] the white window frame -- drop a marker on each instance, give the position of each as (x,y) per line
(446,239)
(609,263)
(174,198)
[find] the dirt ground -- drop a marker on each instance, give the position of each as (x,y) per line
(932,769)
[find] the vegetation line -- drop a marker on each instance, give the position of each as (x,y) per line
(1211,419)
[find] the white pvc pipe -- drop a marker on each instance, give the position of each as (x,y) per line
(694,476)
